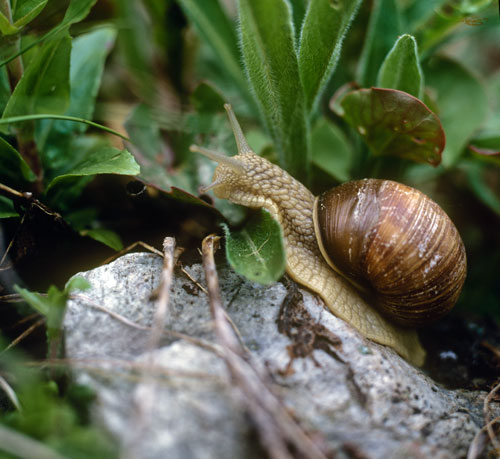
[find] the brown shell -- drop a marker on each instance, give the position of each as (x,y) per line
(396,243)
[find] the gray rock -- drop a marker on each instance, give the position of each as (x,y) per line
(359,397)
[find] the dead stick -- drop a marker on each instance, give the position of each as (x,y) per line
(486,412)
(276,427)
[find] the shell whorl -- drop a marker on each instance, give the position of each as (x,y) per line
(396,243)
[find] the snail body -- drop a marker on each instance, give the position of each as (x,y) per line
(358,246)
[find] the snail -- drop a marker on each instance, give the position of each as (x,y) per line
(382,255)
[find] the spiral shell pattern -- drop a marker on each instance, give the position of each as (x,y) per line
(396,245)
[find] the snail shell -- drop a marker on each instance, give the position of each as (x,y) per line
(394,243)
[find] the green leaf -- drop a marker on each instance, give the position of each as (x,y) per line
(7,208)
(105,236)
(87,65)
(383,30)
(38,302)
(53,305)
(14,168)
(106,160)
(325,26)
(44,86)
(331,151)
(395,123)
(77,11)
(77,283)
(144,131)
(271,62)
(401,68)
(53,137)
(217,31)
(462,103)
(257,251)
(27,10)
(6,28)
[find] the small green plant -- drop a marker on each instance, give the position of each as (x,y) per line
(48,92)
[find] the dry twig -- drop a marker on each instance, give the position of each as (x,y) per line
(276,427)
(144,400)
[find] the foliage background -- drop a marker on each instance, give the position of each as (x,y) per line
(158,72)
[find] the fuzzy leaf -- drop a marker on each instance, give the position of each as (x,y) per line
(325,26)
(395,123)
(257,251)
(271,62)
(215,28)
(401,68)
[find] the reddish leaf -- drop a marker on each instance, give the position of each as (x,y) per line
(394,123)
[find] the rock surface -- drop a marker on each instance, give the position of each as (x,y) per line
(359,398)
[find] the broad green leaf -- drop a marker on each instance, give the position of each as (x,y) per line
(27,10)
(325,26)
(53,137)
(401,68)
(257,251)
(105,236)
(6,28)
(44,86)
(331,150)
(7,208)
(271,62)
(383,30)
(106,160)
(87,64)
(395,123)
(14,168)
(462,103)
(217,31)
